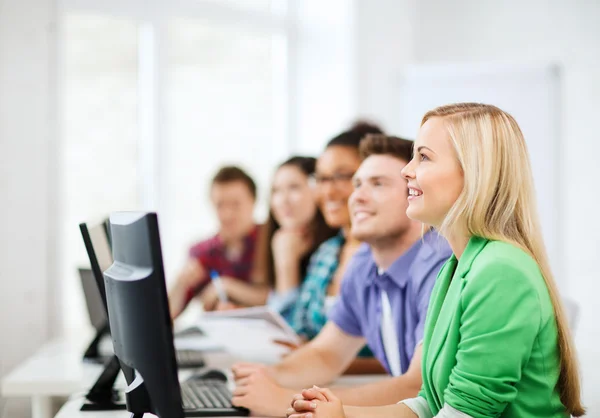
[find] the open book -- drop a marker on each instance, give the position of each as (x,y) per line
(250,332)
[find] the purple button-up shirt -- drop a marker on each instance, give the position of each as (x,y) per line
(408,283)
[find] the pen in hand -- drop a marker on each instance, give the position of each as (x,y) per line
(218,283)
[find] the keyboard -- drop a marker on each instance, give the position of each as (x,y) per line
(208,398)
(186,359)
(189,359)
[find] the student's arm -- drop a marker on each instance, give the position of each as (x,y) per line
(190,277)
(288,248)
(287,273)
(321,360)
(248,294)
(386,391)
(365,365)
(318,362)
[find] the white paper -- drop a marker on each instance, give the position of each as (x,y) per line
(247,339)
(257,312)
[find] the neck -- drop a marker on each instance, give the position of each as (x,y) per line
(350,240)
(458,242)
(387,250)
(235,241)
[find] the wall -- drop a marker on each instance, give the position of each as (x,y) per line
(384,41)
(541,31)
(322,71)
(27,135)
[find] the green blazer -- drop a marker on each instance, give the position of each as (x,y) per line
(490,347)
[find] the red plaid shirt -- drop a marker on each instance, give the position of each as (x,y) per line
(212,254)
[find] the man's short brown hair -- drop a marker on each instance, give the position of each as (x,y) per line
(230,174)
(379,144)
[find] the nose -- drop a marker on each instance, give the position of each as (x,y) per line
(327,190)
(408,172)
(285,197)
(359,195)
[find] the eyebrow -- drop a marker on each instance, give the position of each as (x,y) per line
(372,178)
(338,170)
(424,147)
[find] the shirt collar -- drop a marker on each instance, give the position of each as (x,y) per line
(474,247)
(249,239)
(399,271)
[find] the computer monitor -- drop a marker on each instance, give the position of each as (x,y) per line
(93,299)
(99,252)
(139,318)
(98,249)
(106,225)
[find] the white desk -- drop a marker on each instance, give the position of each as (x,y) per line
(72,408)
(56,370)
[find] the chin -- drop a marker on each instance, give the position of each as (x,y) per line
(288,224)
(361,235)
(336,222)
(415,215)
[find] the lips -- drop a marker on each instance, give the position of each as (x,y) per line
(333,206)
(414,193)
(361,215)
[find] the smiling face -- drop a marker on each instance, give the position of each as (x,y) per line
(335,168)
(379,201)
(434,175)
(292,200)
(234,204)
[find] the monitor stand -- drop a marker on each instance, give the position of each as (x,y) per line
(92,353)
(102,396)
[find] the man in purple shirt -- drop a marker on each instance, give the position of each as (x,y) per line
(383,299)
(408,282)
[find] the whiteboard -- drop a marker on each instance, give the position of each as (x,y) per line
(530,94)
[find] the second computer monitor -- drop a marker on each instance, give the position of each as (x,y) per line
(98,249)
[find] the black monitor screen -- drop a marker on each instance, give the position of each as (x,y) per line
(138,312)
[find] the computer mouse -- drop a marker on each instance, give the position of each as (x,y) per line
(212,375)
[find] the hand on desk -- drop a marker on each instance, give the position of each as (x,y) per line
(257,390)
(316,403)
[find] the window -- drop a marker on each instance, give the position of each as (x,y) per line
(99,144)
(221,109)
(154,100)
(253,5)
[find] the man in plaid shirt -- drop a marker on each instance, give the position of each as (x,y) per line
(230,253)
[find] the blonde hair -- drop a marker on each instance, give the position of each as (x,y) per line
(498,203)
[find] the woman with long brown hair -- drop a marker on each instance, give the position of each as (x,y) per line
(294,229)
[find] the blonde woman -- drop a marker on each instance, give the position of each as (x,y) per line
(496,339)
